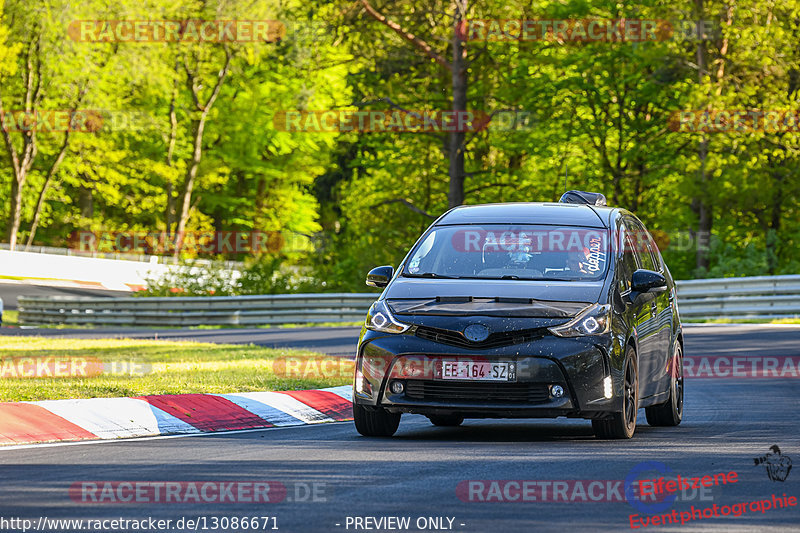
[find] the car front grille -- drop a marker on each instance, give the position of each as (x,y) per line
(495,340)
(447,391)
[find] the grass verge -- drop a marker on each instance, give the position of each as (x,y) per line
(158,367)
(10,318)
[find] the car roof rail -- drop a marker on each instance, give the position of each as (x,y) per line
(583,197)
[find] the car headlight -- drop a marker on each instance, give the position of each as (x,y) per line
(594,320)
(380,319)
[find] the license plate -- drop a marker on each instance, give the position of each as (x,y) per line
(477,371)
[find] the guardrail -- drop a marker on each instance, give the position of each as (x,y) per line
(764,297)
(196,311)
(760,297)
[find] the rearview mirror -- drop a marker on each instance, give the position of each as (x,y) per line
(648,281)
(380,276)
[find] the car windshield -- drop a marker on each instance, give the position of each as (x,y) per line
(516,252)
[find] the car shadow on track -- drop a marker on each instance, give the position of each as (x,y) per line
(477,430)
(513,430)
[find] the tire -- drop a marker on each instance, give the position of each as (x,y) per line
(670,413)
(622,425)
(446,420)
(375,421)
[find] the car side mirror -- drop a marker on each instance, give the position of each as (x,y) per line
(380,276)
(644,281)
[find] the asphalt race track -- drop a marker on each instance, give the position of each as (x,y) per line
(700,339)
(332,341)
(727,424)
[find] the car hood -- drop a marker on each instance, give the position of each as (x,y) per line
(543,299)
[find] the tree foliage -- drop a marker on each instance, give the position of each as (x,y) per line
(193,145)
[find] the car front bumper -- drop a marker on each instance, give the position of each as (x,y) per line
(581,366)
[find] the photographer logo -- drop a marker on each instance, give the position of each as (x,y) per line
(778,465)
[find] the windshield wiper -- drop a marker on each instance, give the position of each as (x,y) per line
(516,278)
(429,275)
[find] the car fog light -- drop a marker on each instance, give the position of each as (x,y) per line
(557,391)
(607,387)
(397,387)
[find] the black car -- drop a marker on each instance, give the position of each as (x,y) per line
(524,310)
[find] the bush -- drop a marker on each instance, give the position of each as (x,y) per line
(271,275)
(263,275)
(194,278)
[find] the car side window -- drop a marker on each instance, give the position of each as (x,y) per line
(627,260)
(639,237)
(643,247)
(654,251)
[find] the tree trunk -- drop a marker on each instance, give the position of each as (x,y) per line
(21,162)
(455,196)
(261,200)
(85,202)
(703,208)
(169,208)
(48,179)
(188,186)
(173,137)
(704,213)
(772,242)
(15,213)
(38,213)
(20,169)
(197,154)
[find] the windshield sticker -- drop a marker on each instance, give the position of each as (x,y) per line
(595,258)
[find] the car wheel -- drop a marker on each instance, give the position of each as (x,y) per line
(670,412)
(446,420)
(375,421)
(621,425)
